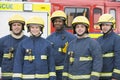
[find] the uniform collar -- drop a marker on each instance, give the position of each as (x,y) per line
(60,32)
(17,36)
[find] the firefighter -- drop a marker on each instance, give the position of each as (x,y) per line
(34,60)
(9,43)
(110,44)
(59,40)
(84,57)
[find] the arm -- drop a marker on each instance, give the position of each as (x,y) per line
(116,71)
(51,64)
(1,51)
(97,61)
(18,63)
(66,66)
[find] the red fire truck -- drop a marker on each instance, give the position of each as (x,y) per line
(92,9)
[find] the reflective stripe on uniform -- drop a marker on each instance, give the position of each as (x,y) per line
(43,57)
(108,55)
(32,76)
(116,71)
(79,76)
(59,67)
(7,74)
(106,74)
(42,75)
(95,74)
(17,75)
(28,76)
(85,58)
(7,55)
(75,76)
(52,74)
(27,57)
(65,74)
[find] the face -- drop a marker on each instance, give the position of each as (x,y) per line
(34,30)
(80,29)
(16,28)
(105,27)
(58,24)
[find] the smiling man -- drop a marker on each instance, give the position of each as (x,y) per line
(9,43)
(59,39)
(110,44)
(84,57)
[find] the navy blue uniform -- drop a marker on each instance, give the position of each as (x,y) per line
(34,61)
(110,44)
(8,45)
(59,42)
(83,60)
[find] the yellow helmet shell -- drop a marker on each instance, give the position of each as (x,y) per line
(80,19)
(16,18)
(58,13)
(106,18)
(36,20)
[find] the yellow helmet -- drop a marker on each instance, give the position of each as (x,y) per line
(16,18)
(58,13)
(106,18)
(36,20)
(80,19)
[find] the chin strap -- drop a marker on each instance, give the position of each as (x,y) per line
(108,31)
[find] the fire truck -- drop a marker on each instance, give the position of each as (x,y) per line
(92,9)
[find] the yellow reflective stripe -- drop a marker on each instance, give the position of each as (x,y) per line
(59,67)
(106,74)
(43,57)
(95,74)
(7,55)
(7,74)
(28,76)
(52,74)
(108,55)
(65,74)
(27,57)
(32,76)
(79,76)
(116,71)
(42,75)
(17,75)
(85,58)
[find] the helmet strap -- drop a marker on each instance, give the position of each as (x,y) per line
(108,31)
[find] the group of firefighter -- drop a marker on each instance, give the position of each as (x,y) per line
(62,55)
